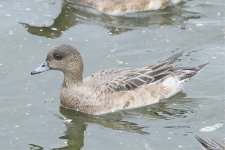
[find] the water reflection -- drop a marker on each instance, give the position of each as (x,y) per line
(71,16)
(35,147)
(78,122)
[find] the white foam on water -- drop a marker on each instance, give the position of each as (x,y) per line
(211,128)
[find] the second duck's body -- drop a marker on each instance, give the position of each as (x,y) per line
(117,7)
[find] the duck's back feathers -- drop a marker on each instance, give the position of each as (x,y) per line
(115,80)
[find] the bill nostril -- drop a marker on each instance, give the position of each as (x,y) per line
(44,64)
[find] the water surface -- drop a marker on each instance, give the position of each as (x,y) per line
(30,114)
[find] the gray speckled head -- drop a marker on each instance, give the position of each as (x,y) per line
(64,58)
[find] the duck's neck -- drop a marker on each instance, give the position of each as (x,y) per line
(71,79)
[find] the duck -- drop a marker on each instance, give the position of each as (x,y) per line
(111,90)
(118,7)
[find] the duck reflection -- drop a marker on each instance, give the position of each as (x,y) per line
(72,15)
(77,122)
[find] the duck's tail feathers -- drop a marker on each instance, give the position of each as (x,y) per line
(200,67)
(185,73)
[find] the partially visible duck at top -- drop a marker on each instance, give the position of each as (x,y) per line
(114,89)
(118,7)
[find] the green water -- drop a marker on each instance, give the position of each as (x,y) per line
(30,114)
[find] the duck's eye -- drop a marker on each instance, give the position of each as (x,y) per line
(57,56)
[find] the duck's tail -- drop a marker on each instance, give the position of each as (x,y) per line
(185,73)
(181,73)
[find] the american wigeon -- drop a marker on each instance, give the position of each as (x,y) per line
(116,7)
(115,89)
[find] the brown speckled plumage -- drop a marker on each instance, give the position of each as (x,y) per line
(114,89)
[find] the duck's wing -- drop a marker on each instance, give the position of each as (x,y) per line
(129,79)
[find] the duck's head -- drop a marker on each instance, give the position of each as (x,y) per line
(64,58)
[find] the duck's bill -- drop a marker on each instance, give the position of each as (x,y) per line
(42,68)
